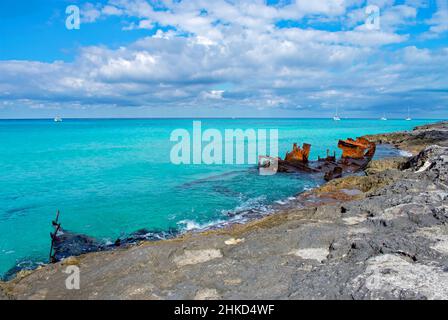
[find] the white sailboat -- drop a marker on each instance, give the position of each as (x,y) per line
(57,119)
(336,117)
(384,117)
(409,116)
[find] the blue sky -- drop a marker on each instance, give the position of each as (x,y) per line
(173,58)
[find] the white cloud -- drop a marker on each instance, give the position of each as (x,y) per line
(214,42)
(90,13)
(327,7)
(111,11)
(439,21)
(213,94)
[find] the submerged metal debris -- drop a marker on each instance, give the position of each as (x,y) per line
(356,149)
(356,155)
(66,244)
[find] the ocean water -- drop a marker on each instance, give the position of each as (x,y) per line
(110,178)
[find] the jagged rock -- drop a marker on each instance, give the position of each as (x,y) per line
(362,183)
(393,277)
(439,126)
(433,159)
(377,166)
(415,140)
(391,243)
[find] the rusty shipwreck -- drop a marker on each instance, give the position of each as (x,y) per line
(356,155)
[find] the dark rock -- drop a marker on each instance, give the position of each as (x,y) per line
(389,243)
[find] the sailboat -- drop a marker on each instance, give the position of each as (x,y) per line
(58,119)
(384,117)
(409,116)
(336,117)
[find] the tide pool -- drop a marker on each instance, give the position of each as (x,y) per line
(110,178)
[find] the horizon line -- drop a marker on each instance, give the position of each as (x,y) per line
(229,118)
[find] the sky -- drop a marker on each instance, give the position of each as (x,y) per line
(224,58)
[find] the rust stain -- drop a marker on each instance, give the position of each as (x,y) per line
(356,154)
(299,154)
(357,149)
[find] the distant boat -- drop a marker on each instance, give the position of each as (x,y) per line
(384,117)
(336,117)
(409,116)
(58,119)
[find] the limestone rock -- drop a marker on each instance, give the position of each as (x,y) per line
(233,241)
(207,294)
(392,277)
(377,166)
(197,256)
(318,254)
(390,242)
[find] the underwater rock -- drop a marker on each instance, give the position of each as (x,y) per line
(68,244)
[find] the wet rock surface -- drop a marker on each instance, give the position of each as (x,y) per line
(379,236)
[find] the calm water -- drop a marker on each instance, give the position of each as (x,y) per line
(112,177)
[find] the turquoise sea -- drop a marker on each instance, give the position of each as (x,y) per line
(110,178)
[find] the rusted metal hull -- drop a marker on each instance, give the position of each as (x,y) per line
(356,155)
(357,149)
(299,154)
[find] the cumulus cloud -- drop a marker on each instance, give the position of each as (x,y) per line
(197,47)
(213,94)
(439,21)
(90,13)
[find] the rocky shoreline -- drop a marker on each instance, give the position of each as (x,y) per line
(416,140)
(383,235)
